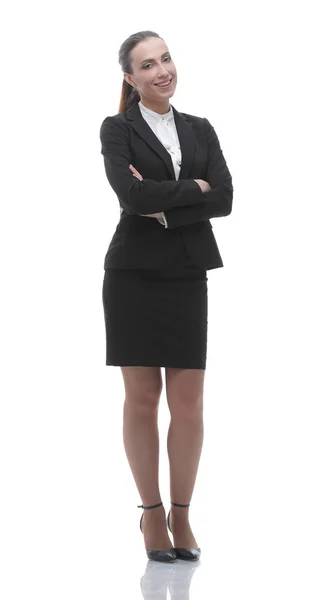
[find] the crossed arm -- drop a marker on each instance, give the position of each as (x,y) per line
(204,186)
(184,201)
(217,202)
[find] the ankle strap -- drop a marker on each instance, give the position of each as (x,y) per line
(152,506)
(175,504)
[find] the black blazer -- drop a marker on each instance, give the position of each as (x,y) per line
(143,242)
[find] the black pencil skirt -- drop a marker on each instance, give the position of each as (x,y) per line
(156,318)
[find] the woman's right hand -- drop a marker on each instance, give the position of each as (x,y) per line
(204,185)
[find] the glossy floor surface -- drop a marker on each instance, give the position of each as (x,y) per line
(70,522)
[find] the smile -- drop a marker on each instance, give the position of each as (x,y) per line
(164,84)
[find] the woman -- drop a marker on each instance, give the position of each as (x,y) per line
(169,174)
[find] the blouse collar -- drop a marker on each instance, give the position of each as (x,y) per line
(169,116)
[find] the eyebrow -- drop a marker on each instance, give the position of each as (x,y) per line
(151,59)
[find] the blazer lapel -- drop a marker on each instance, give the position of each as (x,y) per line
(185,135)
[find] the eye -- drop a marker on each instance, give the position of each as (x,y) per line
(147,64)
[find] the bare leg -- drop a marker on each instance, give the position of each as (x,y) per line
(184,391)
(143,386)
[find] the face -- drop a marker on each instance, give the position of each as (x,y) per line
(152,64)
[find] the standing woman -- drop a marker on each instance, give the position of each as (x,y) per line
(169,174)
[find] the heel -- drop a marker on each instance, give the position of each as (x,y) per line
(158,555)
(184,553)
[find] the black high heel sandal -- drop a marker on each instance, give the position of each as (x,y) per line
(184,553)
(159,555)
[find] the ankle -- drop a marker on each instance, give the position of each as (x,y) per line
(151,504)
(154,513)
(179,513)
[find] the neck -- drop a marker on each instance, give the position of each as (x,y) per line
(159,107)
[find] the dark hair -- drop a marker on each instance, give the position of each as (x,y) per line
(129,95)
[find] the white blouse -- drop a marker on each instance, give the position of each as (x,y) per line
(165,129)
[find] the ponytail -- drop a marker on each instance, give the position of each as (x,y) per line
(129,96)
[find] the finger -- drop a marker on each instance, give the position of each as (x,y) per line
(135,171)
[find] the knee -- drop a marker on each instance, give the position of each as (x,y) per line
(144,400)
(186,408)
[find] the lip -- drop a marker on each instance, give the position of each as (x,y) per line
(166,80)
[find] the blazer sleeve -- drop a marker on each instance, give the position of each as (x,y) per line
(135,196)
(218,201)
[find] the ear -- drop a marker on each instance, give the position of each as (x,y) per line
(128,78)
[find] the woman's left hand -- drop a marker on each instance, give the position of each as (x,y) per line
(136,173)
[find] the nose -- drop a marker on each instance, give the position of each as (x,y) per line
(163,72)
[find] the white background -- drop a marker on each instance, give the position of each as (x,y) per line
(68,506)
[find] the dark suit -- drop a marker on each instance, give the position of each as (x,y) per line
(142,242)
